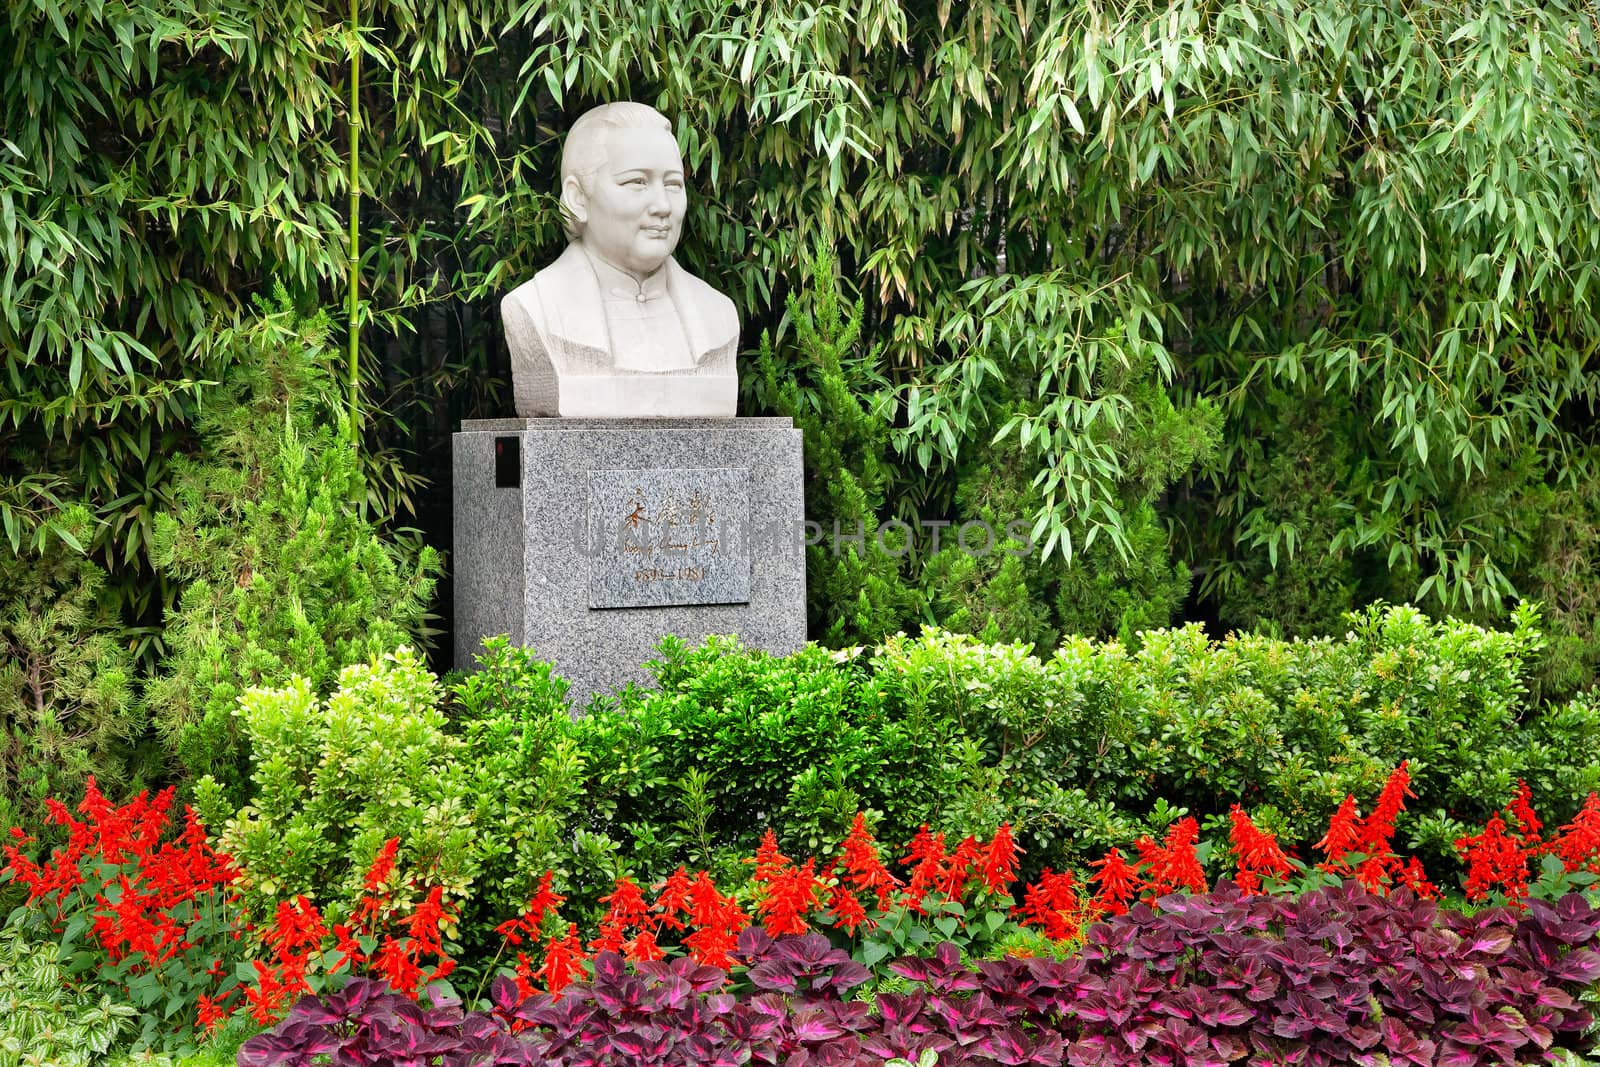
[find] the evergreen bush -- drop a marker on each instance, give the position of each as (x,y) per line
(489,781)
(282,572)
(334,779)
(69,701)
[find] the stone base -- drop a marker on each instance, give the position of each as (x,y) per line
(589,540)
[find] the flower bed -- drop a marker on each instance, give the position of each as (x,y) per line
(1332,976)
(1157,956)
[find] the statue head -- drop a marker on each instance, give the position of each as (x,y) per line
(622,187)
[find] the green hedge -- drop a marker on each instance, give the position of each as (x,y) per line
(493,781)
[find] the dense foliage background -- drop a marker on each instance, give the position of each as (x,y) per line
(1253,311)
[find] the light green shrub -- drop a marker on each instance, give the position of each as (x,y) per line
(335,778)
(1078,746)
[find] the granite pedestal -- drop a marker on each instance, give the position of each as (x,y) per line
(588,540)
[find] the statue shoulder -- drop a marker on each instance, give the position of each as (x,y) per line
(713,307)
(560,299)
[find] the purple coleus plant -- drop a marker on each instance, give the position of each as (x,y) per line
(1335,976)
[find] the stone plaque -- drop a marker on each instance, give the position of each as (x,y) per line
(665,537)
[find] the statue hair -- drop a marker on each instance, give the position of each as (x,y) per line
(585,147)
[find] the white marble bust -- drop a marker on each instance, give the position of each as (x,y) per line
(614,328)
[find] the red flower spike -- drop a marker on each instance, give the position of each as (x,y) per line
(1521,809)
(717,920)
(395,965)
(543,903)
(769,861)
(672,899)
(1052,905)
(524,974)
(1257,852)
(1344,835)
(349,949)
(1578,843)
(957,868)
(1172,865)
(848,914)
(1416,879)
(998,865)
(1495,861)
(864,869)
(563,961)
(791,896)
(642,948)
(625,908)
(382,865)
(1377,832)
(926,857)
(1119,883)
(427,919)
(707,907)
(712,947)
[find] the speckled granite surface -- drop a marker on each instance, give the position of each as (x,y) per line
(523,559)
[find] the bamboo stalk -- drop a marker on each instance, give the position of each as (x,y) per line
(354,280)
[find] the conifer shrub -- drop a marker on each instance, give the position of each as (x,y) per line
(69,702)
(827,379)
(283,572)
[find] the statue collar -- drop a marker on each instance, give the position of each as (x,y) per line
(570,291)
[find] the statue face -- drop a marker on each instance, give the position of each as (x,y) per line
(635,204)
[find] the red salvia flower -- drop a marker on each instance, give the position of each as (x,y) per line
(625,908)
(1372,873)
(864,869)
(712,946)
(998,865)
(1495,860)
(397,966)
(382,866)
(350,952)
(1052,904)
(563,961)
(1416,879)
(672,898)
(1119,883)
(1578,843)
(1343,836)
(1257,852)
(1377,832)
(957,869)
(926,858)
(717,920)
(642,947)
(1521,809)
(425,923)
(213,1012)
(544,902)
(1172,865)
(706,906)
(848,914)
(769,861)
(791,896)
(373,904)
(524,976)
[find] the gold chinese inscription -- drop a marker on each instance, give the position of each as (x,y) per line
(677,526)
